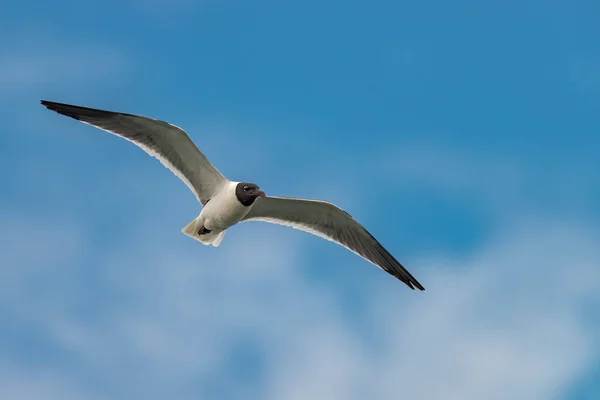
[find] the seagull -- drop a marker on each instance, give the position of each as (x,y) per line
(225,202)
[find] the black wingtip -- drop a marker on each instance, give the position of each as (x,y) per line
(418,285)
(402,274)
(394,268)
(409,280)
(412,284)
(65,109)
(50,104)
(80,113)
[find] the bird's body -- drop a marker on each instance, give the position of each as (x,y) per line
(221,212)
(226,203)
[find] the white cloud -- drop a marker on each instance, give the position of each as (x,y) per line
(490,325)
(502,186)
(456,172)
(497,329)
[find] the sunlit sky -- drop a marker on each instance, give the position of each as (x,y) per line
(463,135)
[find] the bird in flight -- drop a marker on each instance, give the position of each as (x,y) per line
(225,202)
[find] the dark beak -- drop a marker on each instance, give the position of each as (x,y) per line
(261,193)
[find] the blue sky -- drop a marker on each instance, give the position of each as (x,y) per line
(463,135)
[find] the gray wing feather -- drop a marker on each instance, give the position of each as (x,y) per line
(168,143)
(330,222)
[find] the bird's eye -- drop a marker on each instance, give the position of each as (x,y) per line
(245,188)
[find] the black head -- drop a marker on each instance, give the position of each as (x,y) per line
(247,192)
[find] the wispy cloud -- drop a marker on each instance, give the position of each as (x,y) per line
(172,314)
(503,185)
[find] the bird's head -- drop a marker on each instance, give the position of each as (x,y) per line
(247,192)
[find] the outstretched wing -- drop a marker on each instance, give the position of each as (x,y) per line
(330,222)
(168,143)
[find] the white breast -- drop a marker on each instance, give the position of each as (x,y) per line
(223,210)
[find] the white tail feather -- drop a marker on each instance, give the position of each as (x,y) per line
(213,238)
(218,239)
(191,229)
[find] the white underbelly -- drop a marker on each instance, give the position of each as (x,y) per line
(221,213)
